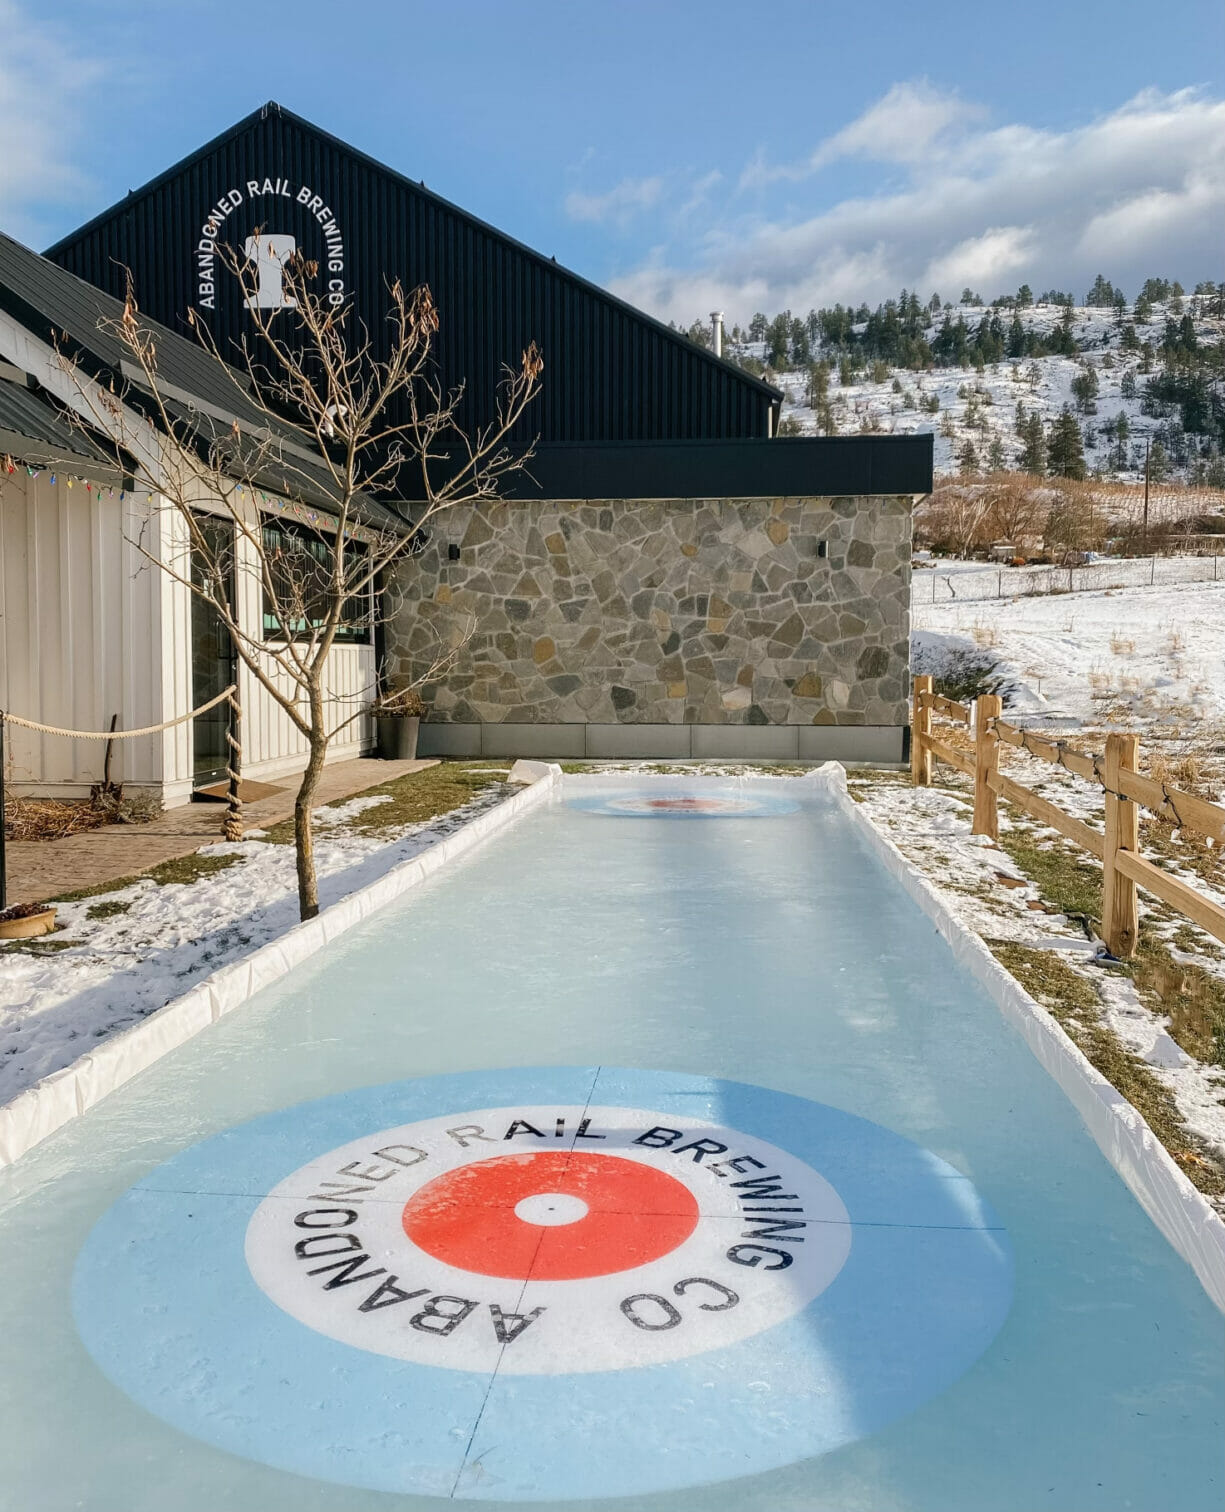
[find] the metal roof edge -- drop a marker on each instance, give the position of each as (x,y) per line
(756,467)
(417,187)
(161,178)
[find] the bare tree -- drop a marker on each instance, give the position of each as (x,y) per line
(1074,524)
(954,517)
(316,416)
(1015,513)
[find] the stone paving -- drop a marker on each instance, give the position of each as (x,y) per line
(40,869)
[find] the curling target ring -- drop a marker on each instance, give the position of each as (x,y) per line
(708,1361)
(551,1216)
(538,1255)
(658,805)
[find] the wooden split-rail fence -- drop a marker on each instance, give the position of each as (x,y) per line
(1126,790)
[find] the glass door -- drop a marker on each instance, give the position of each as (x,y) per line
(213,662)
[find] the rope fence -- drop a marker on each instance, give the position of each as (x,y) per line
(232,826)
(168,724)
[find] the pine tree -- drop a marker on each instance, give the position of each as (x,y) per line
(1104,294)
(1065,447)
(1063,339)
(1033,449)
(967,457)
(778,340)
(1085,390)
(818,384)
(995,456)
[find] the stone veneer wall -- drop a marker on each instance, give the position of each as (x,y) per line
(663,613)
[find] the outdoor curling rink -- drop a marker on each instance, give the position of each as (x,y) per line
(661,1148)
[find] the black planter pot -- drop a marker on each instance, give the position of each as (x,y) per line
(397,736)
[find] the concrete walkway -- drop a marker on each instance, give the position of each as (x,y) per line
(40,869)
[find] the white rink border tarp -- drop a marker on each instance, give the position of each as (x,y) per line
(57,1099)
(1181,1213)
(1179,1210)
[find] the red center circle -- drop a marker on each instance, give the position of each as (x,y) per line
(635,1214)
(688,804)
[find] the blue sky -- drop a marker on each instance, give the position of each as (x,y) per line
(686,154)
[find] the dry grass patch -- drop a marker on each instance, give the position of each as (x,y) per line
(1190,996)
(179,869)
(413,798)
(56,818)
(1063,875)
(1073,1001)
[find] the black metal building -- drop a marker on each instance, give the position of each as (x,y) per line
(611,372)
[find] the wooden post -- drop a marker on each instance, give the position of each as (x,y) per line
(920,730)
(987,706)
(1120,912)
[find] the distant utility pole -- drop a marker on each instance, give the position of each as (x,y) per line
(1148,447)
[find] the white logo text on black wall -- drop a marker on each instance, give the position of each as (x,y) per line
(267,221)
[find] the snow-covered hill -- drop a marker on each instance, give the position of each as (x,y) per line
(980,407)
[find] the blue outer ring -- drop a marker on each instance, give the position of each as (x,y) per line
(165,1304)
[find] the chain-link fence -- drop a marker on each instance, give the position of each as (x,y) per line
(932,586)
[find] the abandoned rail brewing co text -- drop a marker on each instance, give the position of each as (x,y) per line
(267,244)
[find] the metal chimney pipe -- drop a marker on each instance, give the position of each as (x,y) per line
(716,328)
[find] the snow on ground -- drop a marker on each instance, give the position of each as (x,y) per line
(981,407)
(1150,657)
(1149,660)
(1143,658)
(126,953)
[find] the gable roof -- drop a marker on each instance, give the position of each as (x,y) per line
(612,373)
(33,431)
(65,311)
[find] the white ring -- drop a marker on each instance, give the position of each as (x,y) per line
(731,1279)
(551,1209)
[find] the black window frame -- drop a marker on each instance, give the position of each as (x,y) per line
(355,629)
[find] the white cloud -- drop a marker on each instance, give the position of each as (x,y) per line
(904,126)
(42,77)
(1135,192)
(700,191)
(900,128)
(618,205)
(988,260)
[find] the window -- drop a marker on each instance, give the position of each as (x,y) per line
(300,562)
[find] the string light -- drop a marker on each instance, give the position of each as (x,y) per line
(269,501)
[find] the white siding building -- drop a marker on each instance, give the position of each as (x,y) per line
(91,627)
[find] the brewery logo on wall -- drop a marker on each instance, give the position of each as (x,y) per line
(686,1280)
(268,221)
